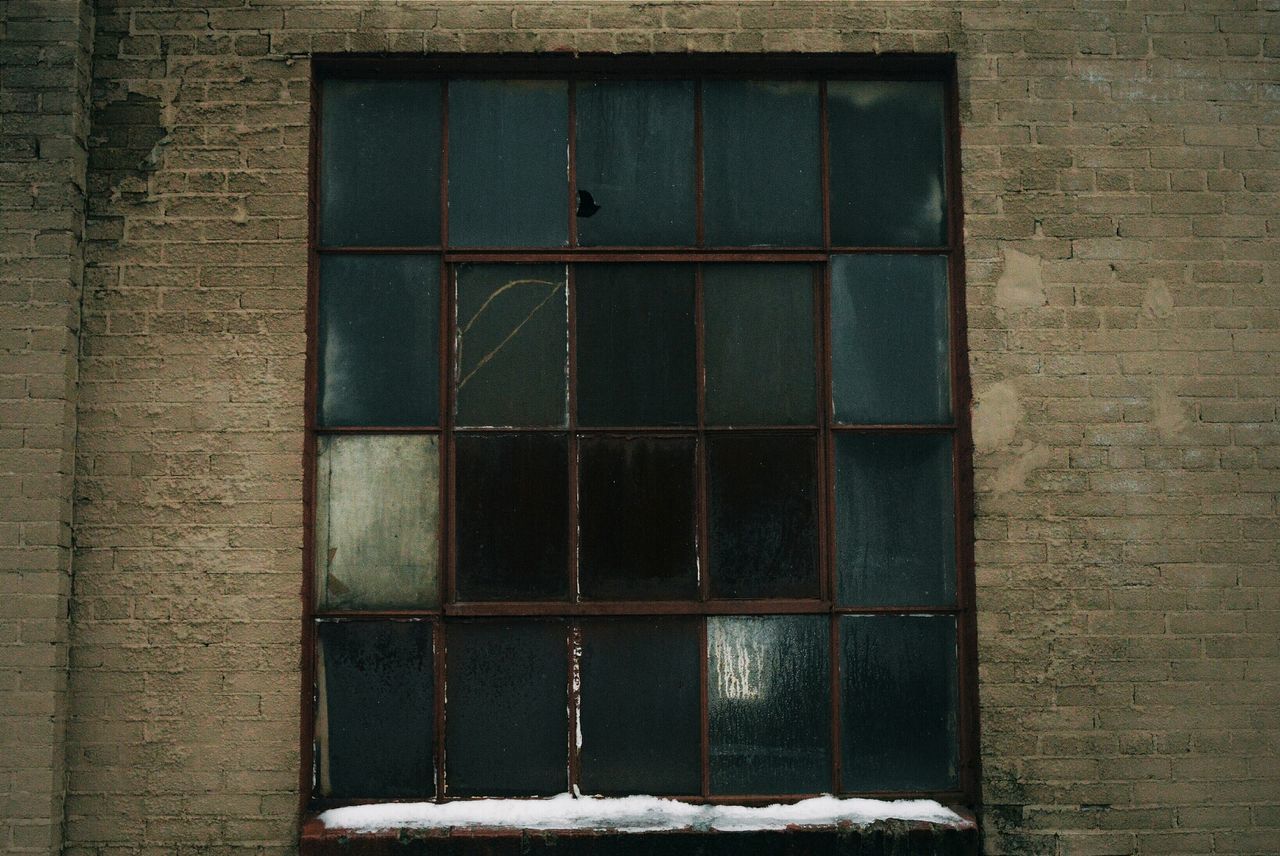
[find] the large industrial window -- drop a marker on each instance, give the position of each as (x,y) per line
(637,458)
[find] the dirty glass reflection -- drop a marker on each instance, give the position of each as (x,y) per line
(768,699)
(377,522)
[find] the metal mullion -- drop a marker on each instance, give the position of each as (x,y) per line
(573,643)
(629,252)
(701,456)
(560,608)
(668,430)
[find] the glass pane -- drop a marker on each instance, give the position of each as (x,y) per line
(635,163)
(380,163)
(889,339)
(636,344)
(636,518)
(506,715)
(379,340)
(512,516)
(377,521)
(887,158)
(641,690)
(513,345)
(898,691)
(376,722)
(508,163)
(763,497)
(769,701)
(761,163)
(759,344)
(895,520)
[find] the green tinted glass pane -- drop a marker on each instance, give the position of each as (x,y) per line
(508,163)
(887,160)
(379,336)
(635,163)
(898,702)
(377,521)
(380,163)
(512,347)
(759,344)
(895,520)
(761,163)
(889,339)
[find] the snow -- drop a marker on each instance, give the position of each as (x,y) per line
(629,814)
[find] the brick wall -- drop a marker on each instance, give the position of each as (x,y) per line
(1122,193)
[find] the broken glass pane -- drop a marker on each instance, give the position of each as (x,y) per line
(759,344)
(898,691)
(763,499)
(379,336)
(895,520)
(508,163)
(636,518)
(512,345)
(887,163)
(512,516)
(889,340)
(768,698)
(635,163)
(639,730)
(377,521)
(506,714)
(762,169)
(375,723)
(380,163)
(636,344)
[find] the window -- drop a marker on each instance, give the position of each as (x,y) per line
(636,456)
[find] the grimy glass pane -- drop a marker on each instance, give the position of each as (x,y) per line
(759,344)
(898,702)
(769,703)
(636,344)
(377,521)
(376,722)
(512,346)
(379,340)
(763,506)
(380,163)
(512,516)
(506,710)
(761,163)
(889,340)
(639,729)
(895,520)
(887,161)
(508,163)
(636,518)
(635,163)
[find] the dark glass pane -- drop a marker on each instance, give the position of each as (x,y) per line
(640,699)
(759,344)
(380,163)
(377,521)
(508,163)
(763,499)
(635,160)
(376,724)
(379,340)
(506,714)
(512,345)
(512,516)
(898,702)
(636,518)
(889,339)
(761,163)
(636,351)
(895,520)
(769,702)
(887,145)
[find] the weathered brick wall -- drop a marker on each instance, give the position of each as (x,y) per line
(1122,192)
(44,85)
